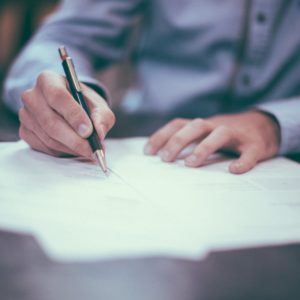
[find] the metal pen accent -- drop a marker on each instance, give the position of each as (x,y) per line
(76,91)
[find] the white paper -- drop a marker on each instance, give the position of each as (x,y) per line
(145,207)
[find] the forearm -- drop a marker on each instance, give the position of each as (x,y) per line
(95,38)
(36,58)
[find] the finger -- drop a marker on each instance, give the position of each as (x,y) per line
(54,125)
(35,143)
(54,90)
(102,116)
(30,123)
(160,137)
(103,119)
(247,161)
(194,130)
(219,137)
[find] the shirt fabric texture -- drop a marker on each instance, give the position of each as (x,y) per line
(194,58)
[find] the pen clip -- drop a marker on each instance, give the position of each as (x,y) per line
(73,74)
(71,68)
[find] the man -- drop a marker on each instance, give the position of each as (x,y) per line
(229,69)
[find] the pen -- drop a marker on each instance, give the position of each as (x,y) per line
(76,91)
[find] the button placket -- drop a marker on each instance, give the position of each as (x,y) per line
(261,19)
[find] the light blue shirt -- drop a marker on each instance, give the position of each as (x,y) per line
(194,58)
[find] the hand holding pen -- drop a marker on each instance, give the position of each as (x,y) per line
(77,93)
(53,123)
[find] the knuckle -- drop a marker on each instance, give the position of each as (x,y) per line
(178,122)
(111,117)
(198,123)
(55,94)
(103,113)
(42,78)
(27,98)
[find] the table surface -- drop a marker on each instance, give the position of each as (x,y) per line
(267,273)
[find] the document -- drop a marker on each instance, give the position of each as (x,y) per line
(145,207)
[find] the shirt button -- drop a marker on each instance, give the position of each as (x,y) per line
(261,17)
(246,80)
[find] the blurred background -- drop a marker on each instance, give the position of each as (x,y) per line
(19,19)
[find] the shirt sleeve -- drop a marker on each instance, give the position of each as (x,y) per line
(287,113)
(95,34)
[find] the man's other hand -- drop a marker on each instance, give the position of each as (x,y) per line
(253,135)
(54,123)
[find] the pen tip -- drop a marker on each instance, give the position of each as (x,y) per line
(102,161)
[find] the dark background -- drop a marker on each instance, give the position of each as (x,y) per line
(18,21)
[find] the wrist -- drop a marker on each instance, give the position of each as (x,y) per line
(268,124)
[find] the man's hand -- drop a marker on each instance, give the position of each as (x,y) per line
(254,135)
(54,123)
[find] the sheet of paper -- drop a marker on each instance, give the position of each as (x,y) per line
(145,207)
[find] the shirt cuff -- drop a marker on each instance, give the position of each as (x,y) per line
(287,114)
(98,87)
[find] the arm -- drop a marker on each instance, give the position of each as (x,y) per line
(95,33)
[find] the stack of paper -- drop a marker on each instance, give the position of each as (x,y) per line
(145,207)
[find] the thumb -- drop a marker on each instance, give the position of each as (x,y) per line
(247,161)
(103,119)
(102,116)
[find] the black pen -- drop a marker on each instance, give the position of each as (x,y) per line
(76,91)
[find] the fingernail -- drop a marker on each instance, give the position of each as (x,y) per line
(191,159)
(83,130)
(148,150)
(165,155)
(237,166)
